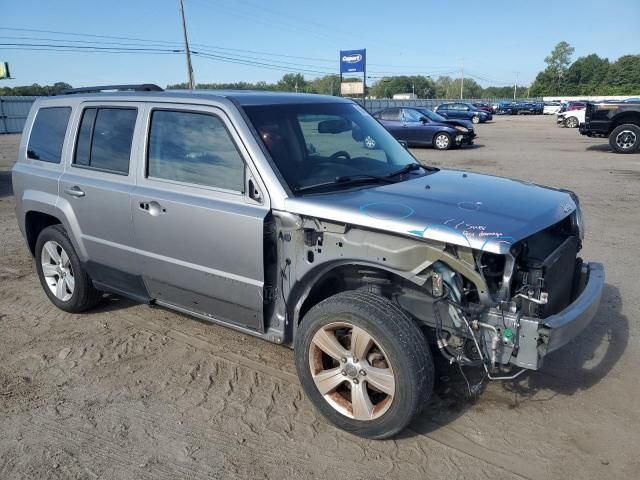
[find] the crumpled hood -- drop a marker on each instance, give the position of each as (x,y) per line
(469,209)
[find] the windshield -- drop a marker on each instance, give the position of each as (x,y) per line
(432,115)
(317,143)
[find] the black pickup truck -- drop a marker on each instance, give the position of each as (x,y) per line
(619,121)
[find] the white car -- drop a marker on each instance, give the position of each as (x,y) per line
(552,108)
(571,118)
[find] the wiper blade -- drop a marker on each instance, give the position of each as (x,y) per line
(345,180)
(410,167)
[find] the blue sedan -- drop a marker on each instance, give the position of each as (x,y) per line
(420,127)
(465,111)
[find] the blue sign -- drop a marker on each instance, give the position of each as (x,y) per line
(352,60)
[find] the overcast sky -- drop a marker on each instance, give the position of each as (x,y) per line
(494,39)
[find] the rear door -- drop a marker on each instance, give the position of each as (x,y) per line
(200,236)
(95,189)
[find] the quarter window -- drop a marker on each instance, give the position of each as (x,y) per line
(47,135)
(193,148)
(105,137)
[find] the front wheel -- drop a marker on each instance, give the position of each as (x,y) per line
(625,138)
(364,363)
(475,119)
(442,141)
(571,122)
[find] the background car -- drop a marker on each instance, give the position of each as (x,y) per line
(571,118)
(552,108)
(485,107)
(422,127)
(465,111)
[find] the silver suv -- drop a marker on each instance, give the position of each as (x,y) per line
(271,213)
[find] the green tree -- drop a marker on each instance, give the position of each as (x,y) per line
(551,81)
(585,75)
(623,76)
(292,82)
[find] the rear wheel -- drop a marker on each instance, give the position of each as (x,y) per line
(571,122)
(442,141)
(625,138)
(364,363)
(61,274)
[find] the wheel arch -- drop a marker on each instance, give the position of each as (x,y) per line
(331,278)
(625,117)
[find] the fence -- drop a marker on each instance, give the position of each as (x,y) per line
(13,113)
(14,110)
(378,104)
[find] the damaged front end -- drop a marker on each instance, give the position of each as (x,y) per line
(532,300)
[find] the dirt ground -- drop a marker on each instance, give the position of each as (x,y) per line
(132,392)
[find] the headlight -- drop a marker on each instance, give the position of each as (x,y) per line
(461,129)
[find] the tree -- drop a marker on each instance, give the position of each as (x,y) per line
(623,76)
(586,75)
(551,80)
(387,87)
(292,82)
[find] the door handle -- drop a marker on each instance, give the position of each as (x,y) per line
(74,191)
(153,208)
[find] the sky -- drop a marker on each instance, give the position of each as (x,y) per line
(492,39)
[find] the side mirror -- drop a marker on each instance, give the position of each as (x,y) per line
(424,119)
(443,114)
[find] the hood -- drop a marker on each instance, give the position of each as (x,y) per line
(463,123)
(479,211)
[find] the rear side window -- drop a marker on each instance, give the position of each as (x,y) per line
(47,134)
(193,148)
(105,137)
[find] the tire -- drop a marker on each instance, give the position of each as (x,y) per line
(370,143)
(625,138)
(475,119)
(571,122)
(67,284)
(442,141)
(396,345)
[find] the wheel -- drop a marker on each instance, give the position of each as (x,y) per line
(370,142)
(442,141)
(61,274)
(625,138)
(571,122)
(364,363)
(475,119)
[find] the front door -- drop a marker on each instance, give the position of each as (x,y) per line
(199,235)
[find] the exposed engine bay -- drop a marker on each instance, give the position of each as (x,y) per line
(479,308)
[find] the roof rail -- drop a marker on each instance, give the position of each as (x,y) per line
(142,87)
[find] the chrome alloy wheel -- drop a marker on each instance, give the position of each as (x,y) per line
(626,139)
(442,141)
(369,142)
(351,371)
(57,270)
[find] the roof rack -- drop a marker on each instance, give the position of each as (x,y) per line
(142,87)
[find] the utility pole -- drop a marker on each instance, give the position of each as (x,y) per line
(462,80)
(515,87)
(192,82)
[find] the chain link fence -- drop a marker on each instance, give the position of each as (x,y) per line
(13,113)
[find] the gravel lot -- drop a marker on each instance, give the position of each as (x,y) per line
(129,391)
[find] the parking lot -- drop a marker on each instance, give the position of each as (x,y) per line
(130,391)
